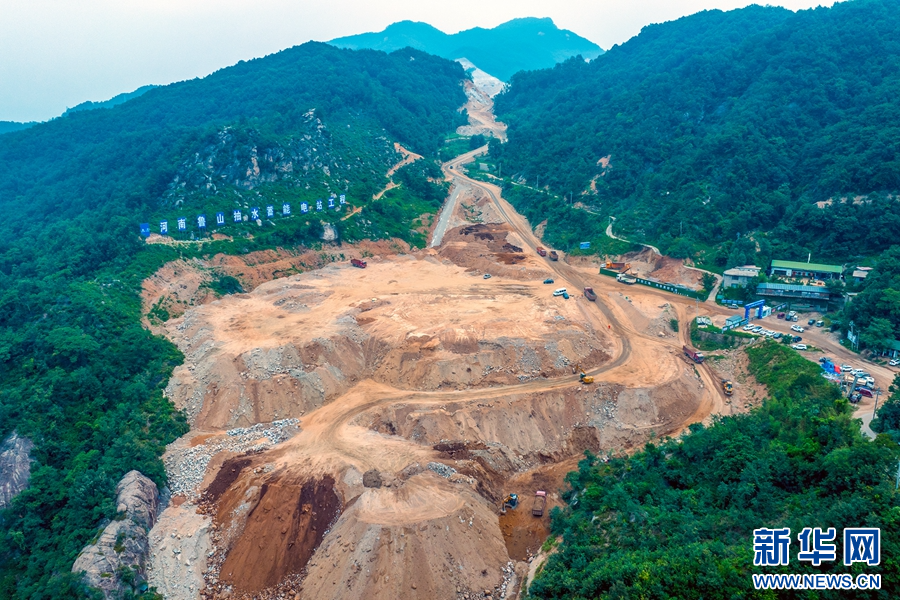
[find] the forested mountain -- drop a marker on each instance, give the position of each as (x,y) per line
(114,101)
(520,44)
(79,375)
(727,124)
(8,126)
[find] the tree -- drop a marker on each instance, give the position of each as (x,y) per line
(708,280)
(878,334)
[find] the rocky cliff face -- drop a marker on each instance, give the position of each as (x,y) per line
(236,159)
(15,467)
(117,560)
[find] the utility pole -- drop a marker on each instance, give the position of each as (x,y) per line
(877,394)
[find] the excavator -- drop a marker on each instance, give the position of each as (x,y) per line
(581,376)
(511,501)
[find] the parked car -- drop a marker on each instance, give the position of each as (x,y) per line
(811,322)
(565,295)
(780,315)
(795,318)
(777,336)
(846,367)
(855,397)
(747,327)
(796,339)
(823,359)
(559,292)
(548,280)
(797,328)
(820,323)
(799,346)
(870,382)
(487,275)
(895,362)
(863,391)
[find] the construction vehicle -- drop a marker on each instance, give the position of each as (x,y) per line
(541,251)
(361,264)
(589,294)
(554,255)
(626,279)
(510,501)
(695,356)
(582,377)
(727,387)
(540,501)
(617,266)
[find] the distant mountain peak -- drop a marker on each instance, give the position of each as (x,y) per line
(521,44)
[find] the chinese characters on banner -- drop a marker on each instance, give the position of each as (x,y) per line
(255,214)
(771,547)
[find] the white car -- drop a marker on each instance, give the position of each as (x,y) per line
(870,381)
(846,368)
(895,362)
(747,327)
(797,328)
(559,292)
(799,346)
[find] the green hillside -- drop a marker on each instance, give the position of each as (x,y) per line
(727,124)
(114,101)
(79,375)
(520,44)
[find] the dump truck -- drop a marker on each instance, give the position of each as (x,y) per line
(540,501)
(727,387)
(586,378)
(554,255)
(626,279)
(589,294)
(695,356)
(541,251)
(617,266)
(360,264)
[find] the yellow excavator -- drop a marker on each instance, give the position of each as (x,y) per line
(510,501)
(581,376)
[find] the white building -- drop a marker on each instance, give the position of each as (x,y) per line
(740,276)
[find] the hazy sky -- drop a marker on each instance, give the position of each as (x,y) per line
(55,54)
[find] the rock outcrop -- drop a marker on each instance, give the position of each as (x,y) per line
(15,467)
(117,559)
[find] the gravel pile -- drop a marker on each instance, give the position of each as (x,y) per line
(442,469)
(186,467)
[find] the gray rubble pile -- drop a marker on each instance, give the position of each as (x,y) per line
(186,467)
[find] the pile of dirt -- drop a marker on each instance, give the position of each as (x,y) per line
(650,265)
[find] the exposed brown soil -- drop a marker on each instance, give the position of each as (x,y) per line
(649,264)
(280,534)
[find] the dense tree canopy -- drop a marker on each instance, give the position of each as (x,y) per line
(726,124)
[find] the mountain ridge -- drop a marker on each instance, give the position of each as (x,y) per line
(526,43)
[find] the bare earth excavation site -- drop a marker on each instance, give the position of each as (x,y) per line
(355,431)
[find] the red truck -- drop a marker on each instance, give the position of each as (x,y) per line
(554,255)
(589,294)
(695,356)
(361,264)
(541,251)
